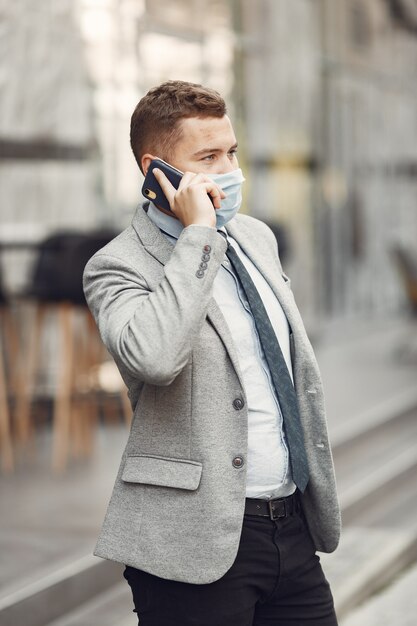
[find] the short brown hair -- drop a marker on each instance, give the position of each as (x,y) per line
(155,121)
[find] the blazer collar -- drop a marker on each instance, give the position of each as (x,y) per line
(151,237)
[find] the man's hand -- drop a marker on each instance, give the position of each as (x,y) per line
(191,202)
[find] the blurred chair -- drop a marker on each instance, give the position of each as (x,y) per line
(57,289)
(6,356)
(281,235)
(406,262)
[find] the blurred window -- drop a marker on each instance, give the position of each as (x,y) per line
(132,45)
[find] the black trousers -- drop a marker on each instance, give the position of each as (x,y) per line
(276,580)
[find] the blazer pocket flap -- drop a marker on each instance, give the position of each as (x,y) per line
(162,471)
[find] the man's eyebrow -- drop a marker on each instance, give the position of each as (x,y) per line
(211,150)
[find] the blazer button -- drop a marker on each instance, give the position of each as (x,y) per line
(237,461)
(199,273)
(238,404)
(207,248)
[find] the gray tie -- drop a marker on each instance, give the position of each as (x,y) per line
(279,373)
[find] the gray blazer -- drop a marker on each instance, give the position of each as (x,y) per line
(178,501)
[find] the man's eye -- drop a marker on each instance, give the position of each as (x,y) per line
(233,153)
(209,157)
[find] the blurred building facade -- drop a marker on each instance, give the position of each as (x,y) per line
(48,151)
(322,93)
(330,92)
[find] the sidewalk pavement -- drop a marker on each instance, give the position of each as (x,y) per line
(48,521)
(394,606)
(365,367)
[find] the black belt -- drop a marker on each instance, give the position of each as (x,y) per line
(274,509)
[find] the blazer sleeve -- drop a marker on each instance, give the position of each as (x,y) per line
(151,332)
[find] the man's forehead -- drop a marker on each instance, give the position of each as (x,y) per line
(208,130)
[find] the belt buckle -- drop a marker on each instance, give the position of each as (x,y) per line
(277,509)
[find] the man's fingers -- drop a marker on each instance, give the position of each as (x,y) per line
(216,194)
(187,178)
(168,189)
(190,182)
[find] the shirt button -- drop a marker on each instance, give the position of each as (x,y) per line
(207,248)
(238,404)
(237,461)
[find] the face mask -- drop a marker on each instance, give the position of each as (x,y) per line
(231,183)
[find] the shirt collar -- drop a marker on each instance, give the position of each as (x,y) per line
(166,223)
(169,225)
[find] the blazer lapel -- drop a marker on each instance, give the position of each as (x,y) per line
(270,272)
(161,249)
(215,317)
(302,353)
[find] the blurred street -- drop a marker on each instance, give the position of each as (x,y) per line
(322,98)
(396,605)
(46,554)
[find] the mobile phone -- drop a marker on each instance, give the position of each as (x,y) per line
(151,188)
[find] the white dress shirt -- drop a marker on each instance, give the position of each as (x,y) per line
(268,468)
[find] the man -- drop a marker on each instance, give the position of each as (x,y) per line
(226,488)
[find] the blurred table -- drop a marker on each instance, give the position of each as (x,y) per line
(18,247)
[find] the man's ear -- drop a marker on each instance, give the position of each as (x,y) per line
(146,161)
